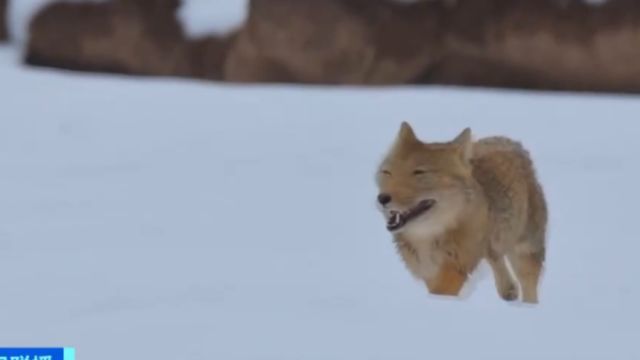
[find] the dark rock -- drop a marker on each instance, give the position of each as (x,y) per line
(4,32)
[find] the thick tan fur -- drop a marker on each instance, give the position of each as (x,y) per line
(489,205)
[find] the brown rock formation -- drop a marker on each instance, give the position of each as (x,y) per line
(336,42)
(123,36)
(546,44)
(537,44)
(541,44)
(4,33)
(206,56)
(137,37)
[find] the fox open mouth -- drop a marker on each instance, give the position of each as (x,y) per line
(398,219)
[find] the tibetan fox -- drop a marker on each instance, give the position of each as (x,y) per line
(448,205)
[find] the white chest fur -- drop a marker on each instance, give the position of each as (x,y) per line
(419,246)
(422,239)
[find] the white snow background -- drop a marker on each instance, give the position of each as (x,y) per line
(147,218)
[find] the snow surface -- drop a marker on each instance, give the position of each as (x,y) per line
(148,218)
(217,17)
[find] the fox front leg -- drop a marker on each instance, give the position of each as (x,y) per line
(448,281)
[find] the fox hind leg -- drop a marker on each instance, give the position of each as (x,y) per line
(505,284)
(528,268)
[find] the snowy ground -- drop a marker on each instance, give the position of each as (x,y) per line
(157,218)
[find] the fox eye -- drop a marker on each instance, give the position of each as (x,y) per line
(386,172)
(419,172)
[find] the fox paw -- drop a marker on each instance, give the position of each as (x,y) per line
(509,292)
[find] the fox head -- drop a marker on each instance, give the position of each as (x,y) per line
(425,187)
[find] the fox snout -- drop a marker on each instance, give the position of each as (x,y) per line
(397,199)
(384,199)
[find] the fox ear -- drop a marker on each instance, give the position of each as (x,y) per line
(464,142)
(406,134)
